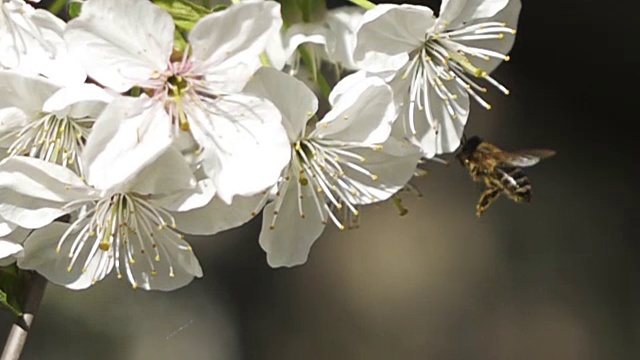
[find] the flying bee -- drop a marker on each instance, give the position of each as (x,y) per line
(501,171)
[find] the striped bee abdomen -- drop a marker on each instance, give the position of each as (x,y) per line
(514,182)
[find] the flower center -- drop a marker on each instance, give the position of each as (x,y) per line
(122,230)
(444,59)
(329,166)
(53,139)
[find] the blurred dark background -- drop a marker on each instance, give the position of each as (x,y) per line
(555,279)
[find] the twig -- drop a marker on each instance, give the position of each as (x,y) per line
(20,329)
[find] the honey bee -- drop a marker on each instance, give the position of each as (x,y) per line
(501,171)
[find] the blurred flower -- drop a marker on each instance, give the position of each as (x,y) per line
(338,162)
(240,138)
(431,62)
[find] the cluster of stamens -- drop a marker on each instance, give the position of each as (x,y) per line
(444,60)
(53,139)
(120,231)
(323,164)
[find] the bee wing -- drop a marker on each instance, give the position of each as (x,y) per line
(524,158)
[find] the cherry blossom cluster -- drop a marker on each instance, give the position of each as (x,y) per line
(122,132)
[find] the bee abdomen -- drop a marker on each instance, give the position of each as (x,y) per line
(515,183)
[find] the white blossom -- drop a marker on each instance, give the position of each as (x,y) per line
(41,119)
(31,42)
(338,162)
(127,228)
(432,63)
(240,137)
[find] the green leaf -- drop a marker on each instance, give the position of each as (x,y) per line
(13,284)
(185,13)
(74,9)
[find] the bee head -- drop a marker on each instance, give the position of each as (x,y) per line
(469,146)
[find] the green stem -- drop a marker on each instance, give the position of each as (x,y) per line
(365,4)
(20,329)
(312,66)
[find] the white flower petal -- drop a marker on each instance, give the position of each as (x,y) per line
(6,227)
(393,167)
(187,200)
(121,46)
(294,99)
(9,248)
(78,101)
(34,191)
(301,33)
(236,35)
(392,30)
(364,114)
(168,174)
(289,242)
(218,216)
(176,269)
(509,15)
(29,212)
(31,42)
(343,23)
(245,145)
(41,179)
(24,92)
(40,255)
(129,134)
(456,12)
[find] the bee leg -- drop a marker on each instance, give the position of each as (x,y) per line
(487,197)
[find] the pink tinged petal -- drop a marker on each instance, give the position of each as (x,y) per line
(364,114)
(24,92)
(289,241)
(129,135)
(245,146)
(187,200)
(168,174)
(121,46)
(456,12)
(392,30)
(294,99)
(219,216)
(40,255)
(236,35)
(78,101)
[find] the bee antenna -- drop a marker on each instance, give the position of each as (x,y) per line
(464,138)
